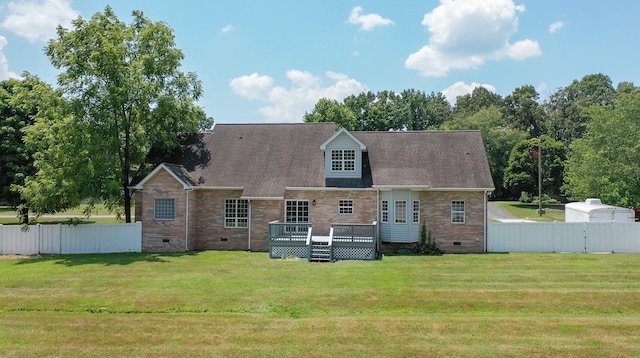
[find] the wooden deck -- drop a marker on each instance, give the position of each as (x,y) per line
(344,242)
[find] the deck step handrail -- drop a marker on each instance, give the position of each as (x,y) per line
(309,236)
(330,236)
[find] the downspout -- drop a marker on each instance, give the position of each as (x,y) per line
(249,224)
(186,227)
(484,229)
(378,221)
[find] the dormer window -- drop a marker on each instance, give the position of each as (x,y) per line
(343,160)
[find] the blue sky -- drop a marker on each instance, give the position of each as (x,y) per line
(271,61)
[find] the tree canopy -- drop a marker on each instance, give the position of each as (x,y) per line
(605,162)
(124,94)
(20,101)
(521,174)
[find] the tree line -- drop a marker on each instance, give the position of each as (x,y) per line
(122,106)
(586,132)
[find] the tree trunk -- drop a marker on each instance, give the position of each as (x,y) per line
(23,211)
(127,205)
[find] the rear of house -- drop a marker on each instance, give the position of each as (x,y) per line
(274,187)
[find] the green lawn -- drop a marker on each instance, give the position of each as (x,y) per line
(530,211)
(225,304)
(100,215)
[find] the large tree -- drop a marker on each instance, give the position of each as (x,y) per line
(20,101)
(521,173)
(126,94)
(498,140)
(521,111)
(605,163)
(564,109)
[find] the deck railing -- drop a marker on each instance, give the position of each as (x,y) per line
(364,233)
(352,241)
(279,231)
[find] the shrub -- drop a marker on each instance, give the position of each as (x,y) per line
(525,197)
(546,199)
(427,245)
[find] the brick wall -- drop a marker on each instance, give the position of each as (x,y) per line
(210,233)
(436,213)
(325,210)
(163,235)
(263,212)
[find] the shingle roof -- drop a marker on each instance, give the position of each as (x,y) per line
(439,159)
(264,159)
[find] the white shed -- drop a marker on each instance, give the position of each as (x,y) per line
(592,210)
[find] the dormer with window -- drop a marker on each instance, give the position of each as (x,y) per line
(343,157)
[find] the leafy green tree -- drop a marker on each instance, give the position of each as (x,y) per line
(522,111)
(564,109)
(498,140)
(471,103)
(327,110)
(420,111)
(126,94)
(383,111)
(20,101)
(521,173)
(605,163)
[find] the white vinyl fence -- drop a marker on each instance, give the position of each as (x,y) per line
(68,239)
(563,237)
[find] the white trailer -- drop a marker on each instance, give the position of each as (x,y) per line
(592,210)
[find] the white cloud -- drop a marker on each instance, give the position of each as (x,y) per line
(4,64)
(253,86)
(460,89)
(38,20)
(289,104)
(467,33)
(367,22)
(228,28)
(541,87)
(524,49)
(555,27)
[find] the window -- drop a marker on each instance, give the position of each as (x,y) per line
(163,209)
(236,213)
(401,212)
(345,207)
(416,211)
(343,160)
(297,212)
(457,212)
(385,211)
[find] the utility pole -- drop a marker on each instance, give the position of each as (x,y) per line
(539,176)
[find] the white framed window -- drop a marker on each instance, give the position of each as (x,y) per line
(345,207)
(163,209)
(457,212)
(385,211)
(401,212)
(236,213)
(416,211)
(297,212)
(343,160)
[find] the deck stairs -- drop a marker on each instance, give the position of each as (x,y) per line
(320,248)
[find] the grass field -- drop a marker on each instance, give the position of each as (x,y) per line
(530,211)
(244,304)
(99,215)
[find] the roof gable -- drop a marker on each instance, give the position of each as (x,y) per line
(343,131)
(176,171)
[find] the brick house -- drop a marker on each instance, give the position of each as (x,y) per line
(279,187)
